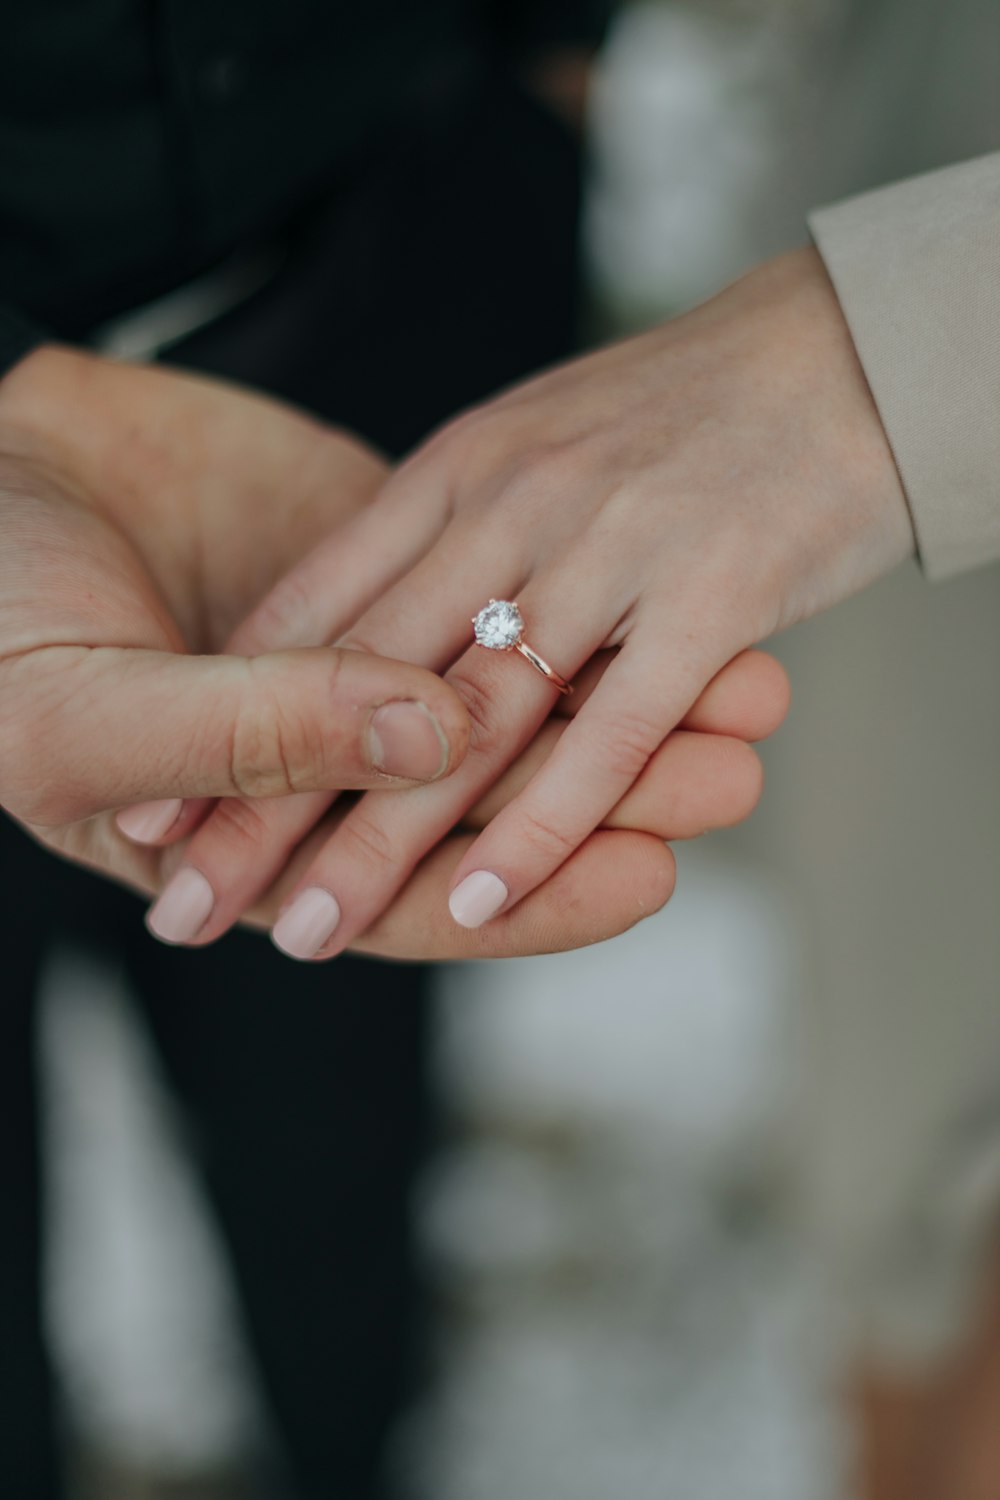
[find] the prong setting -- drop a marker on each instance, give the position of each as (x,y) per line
(499,626)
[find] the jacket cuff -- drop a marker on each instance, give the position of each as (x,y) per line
(18,337)
(916,267)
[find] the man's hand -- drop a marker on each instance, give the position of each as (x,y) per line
(141,514)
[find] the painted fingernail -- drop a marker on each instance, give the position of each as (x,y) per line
(479,897)
(405,739)
(184,907)
(305,926)
(148,821)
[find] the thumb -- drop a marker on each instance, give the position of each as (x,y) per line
(96,729)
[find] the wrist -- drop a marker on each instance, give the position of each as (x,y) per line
(849,522)
(876,487)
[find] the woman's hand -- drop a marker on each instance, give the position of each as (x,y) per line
(142,513)
(679,496)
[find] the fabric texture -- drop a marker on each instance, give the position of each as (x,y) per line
(916,267)
(144,144)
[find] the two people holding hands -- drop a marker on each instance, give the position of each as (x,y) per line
(218,614)
(160,621)
(670,501)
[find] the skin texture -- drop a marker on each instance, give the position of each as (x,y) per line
(138,519)
(143,514)
(677,497)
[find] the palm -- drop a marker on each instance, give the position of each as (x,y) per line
(173,504)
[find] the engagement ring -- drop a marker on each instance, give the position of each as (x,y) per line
(500,627)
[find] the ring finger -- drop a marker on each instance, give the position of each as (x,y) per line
(237,852)
(376,847)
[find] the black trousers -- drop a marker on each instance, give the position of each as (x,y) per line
(433,274)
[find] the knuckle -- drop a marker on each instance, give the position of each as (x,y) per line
(545,837)
(479,435)
(239,825)
(486,733)
(365,838)
(284,618)
(458,441)
(355,642)
(465,427)
(624,744)
(271,753)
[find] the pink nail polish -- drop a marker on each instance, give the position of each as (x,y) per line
(184,907)
(307,924)
(479,897)
(147,822)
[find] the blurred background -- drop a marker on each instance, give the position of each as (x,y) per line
(684,1179)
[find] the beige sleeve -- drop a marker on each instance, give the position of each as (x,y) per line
(916,267)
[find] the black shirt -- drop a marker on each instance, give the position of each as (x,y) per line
(144,141)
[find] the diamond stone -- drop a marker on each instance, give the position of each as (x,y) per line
(499,625)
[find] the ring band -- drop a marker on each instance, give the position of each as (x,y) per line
(499,626)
